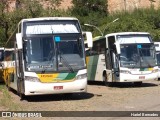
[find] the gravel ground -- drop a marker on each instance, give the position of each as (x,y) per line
(121,97)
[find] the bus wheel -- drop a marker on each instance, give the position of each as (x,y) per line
(137,83)
(20,89)
(68,95)
(105,79)
(21,96)
(7,84)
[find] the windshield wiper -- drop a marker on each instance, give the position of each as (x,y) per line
(65,62)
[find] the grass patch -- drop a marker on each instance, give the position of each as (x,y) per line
(1,87)
(7,101)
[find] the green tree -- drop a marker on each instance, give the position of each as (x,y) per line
(4,20)
(24,9)
(90,11)
(85,7)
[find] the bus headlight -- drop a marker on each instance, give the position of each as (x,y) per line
(155,70)
(125,71)
(82,76)
(31,79)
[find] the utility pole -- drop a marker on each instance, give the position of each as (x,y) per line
(101,32)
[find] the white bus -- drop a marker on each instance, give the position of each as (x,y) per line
(48,57)
(157,46)
(122,57)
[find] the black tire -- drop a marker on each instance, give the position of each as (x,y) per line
(110,84)
(68,94)
(106,83)
(105,80)
(20,88)
(22,96)
(138,83)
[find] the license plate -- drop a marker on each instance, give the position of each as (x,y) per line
(58,87)
(141,77)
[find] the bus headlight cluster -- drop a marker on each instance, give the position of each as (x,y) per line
(31,79)
(155,70)
(82,76)
(125,71)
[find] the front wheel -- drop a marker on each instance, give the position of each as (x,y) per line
(20,89)
(105,79)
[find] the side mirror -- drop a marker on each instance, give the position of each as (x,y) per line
(19,40)
(89,41)
(86,49)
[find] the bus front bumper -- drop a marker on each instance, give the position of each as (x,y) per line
(159,73)
(137,78)
(38,88)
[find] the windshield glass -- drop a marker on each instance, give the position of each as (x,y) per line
(70,53)
(43,53)
(137,55)
(39,53)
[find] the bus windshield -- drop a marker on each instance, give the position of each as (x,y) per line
(42,53)
(137,55)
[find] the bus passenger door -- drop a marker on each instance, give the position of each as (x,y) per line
(113,58)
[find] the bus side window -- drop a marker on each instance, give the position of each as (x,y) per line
(99,46)
(91,51)
(103,46)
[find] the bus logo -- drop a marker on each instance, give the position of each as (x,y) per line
(46,76)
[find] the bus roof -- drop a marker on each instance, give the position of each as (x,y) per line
(98,38)
(126,33)
(118,33)
(49,18)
